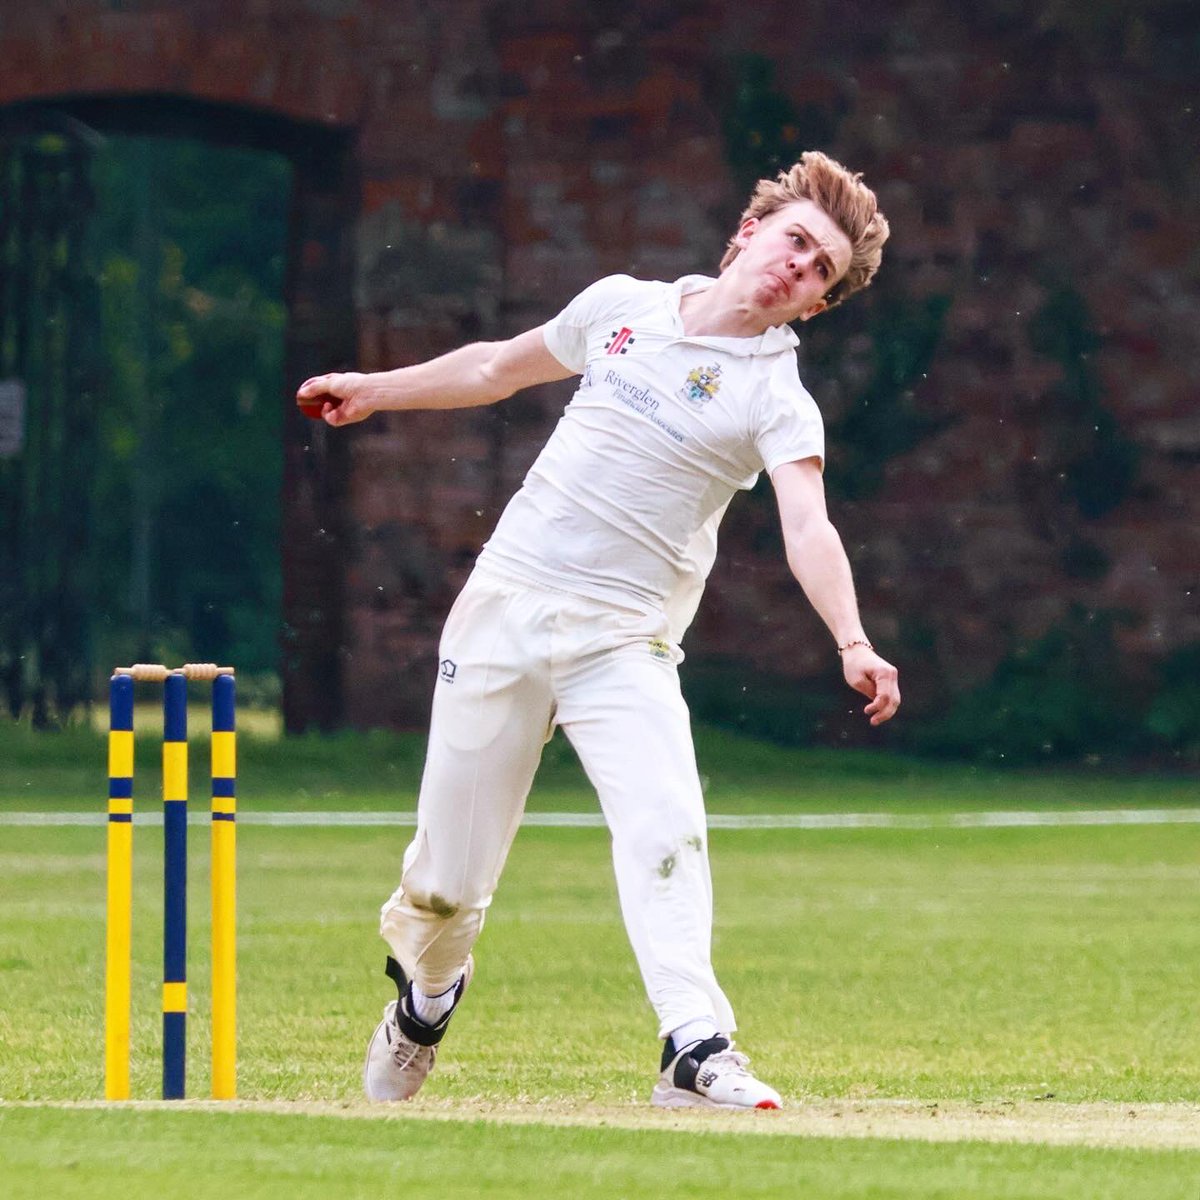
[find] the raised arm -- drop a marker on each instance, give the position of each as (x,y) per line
(818,560)
(480,373)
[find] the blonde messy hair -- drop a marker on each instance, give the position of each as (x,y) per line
(847,200)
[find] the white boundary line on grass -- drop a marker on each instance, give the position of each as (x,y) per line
(880,820)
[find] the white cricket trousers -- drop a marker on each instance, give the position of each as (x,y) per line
(515,661)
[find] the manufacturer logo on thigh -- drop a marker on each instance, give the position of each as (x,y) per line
(448,668)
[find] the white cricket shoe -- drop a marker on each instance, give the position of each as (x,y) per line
(710,1074)
(402,1050)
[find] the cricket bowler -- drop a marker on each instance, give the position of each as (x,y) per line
(577,604)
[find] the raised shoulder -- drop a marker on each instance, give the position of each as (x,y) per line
(603,297)
(604,300)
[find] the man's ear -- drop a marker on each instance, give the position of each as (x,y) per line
(813,309)
(745,232)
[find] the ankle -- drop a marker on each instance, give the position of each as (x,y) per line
(430,1009)
(700,1029)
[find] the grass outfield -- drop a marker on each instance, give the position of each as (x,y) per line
(89,1155)
(1025,986)
(381,771)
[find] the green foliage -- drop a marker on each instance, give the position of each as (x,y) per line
(1083,559)
(191,245)
(885,419)
(1063,694)
(763,130)
(48,335)
(739,697)
(1173,719)
(1098,464)
(142,307)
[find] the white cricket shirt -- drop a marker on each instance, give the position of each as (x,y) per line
(624,501)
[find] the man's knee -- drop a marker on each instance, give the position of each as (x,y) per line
(663,854)
(435,903)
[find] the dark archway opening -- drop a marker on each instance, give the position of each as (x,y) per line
(206,344)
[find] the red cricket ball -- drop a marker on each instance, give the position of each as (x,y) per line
(311,406)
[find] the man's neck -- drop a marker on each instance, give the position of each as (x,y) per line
(719,311)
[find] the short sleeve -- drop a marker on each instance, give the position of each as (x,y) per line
(566,335)
(789,425)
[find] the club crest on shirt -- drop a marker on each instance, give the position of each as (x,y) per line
(702,385)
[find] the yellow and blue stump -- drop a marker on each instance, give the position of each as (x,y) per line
(174,992)
(118,949)
(118,952)
(224,890)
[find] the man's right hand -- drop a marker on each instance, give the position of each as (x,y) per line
(337,399)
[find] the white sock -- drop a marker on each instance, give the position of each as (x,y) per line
(431,1009)
(699,1030)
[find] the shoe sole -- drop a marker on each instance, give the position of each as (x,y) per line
(665,1096)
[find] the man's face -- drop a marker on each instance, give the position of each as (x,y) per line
(790,260)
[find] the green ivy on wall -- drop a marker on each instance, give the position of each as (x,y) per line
(1098,464)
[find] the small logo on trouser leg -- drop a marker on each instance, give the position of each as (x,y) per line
(659,648)
(448,669)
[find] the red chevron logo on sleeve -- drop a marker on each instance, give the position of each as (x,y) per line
(619,341)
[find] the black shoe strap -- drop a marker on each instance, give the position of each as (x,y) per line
(409,1023)
(395,972)
(689,1062)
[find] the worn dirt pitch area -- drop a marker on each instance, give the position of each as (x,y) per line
(1130,1126)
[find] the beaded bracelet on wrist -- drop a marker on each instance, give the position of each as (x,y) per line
(855,642)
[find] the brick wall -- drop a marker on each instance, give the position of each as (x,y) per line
(503,156)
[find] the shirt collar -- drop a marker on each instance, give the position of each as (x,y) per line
(772,341)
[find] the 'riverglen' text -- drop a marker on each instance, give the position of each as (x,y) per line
(640,400)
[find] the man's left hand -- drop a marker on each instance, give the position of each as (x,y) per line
(875,677)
